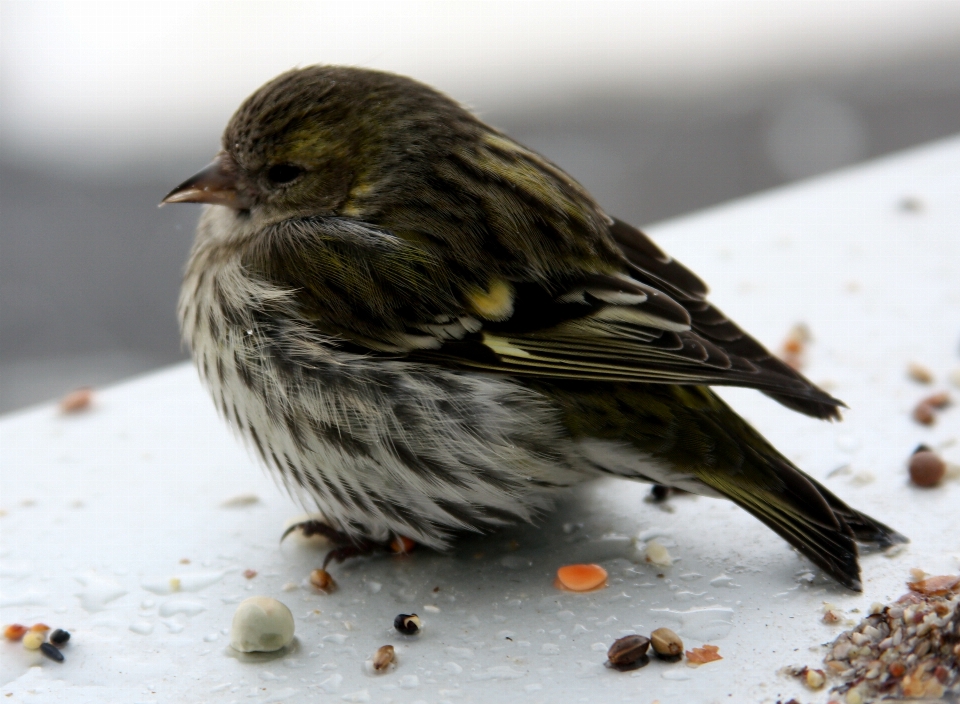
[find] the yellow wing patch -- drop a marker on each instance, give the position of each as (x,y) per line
(494,304)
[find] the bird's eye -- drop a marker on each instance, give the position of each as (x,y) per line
(283,173)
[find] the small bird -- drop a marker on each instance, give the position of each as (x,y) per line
(424,327)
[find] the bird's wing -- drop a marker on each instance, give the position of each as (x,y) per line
(649,322)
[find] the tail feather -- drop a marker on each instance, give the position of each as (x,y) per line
(865,529)
(800,514)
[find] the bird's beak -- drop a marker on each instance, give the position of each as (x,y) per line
(216,184)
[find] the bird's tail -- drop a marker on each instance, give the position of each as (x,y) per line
(797,507)
(691,431)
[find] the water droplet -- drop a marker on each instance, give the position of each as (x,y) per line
(143,628)
(332,683)
(452,667)
(98,592)
(550,649)
(516,562)
(181,606)
(705,624)
(338,638)
(211,637)
(724,581)
(409,682)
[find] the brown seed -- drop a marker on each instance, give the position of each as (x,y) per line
(76,401)
(919,373)
(926,468)
(629,652)
(938,401)
(322,580)
(924,414)
(897,669)
(384,658)
(666,644)
(249,574)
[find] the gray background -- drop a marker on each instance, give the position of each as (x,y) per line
(90,267)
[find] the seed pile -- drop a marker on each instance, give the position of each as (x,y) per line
(909,649)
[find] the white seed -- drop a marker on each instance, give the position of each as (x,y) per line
(657,554)
(261,624)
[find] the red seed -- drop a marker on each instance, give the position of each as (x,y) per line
(249,574)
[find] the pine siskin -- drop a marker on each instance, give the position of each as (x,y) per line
(425,327)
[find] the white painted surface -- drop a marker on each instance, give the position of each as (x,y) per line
(101,508)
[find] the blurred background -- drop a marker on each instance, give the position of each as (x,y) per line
(659,108)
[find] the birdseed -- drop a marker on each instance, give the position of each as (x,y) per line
(322,580)
(700,656)
(384,658)
(919,373)
(51,651)
(909,649)
(666,644)
(581,578)
(59,637)
(926,467)
(76,401)
(629,653)
(14,631)
(407,624)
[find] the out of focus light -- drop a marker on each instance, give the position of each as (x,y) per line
(812,133)
(103,86)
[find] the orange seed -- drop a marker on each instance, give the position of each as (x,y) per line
(581,578)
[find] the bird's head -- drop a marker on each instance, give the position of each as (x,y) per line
(313,140)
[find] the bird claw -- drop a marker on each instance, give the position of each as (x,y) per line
(347,547)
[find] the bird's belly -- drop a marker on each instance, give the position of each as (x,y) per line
(389,447)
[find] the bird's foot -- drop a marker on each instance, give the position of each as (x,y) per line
(347,546)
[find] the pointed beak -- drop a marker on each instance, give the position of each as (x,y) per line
(215,184)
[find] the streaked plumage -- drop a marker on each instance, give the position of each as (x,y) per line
(423,327)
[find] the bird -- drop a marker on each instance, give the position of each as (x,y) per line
(425,328)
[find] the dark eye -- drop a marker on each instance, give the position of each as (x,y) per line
(283,173)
